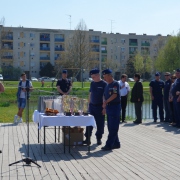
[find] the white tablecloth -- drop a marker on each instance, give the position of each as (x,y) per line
(44,120)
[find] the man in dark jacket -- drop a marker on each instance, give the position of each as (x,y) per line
(137,98)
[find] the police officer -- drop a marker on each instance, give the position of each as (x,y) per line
(167,87)
(96,94)
(64,85)
(113,107)
(156,88)
(175,93)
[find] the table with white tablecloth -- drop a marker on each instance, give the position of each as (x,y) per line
(61,120)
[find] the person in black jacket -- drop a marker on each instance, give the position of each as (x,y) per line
(137,98)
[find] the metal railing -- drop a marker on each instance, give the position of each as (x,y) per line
(130,110)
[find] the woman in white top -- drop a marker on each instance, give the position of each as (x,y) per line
(124,90)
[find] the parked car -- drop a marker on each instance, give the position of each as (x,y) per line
(45,78)
(130,79)
(53,79)
(1,77)
(73,79)
(88,80)
(34,79)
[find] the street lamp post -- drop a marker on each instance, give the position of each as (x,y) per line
(29,61)
(82,77)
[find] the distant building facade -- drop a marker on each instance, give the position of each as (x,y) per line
(32,48)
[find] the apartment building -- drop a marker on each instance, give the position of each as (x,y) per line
(31,48)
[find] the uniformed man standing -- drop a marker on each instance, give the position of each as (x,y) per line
(64,85)
(113,107)
(175,93)
(156,89)
(96,94)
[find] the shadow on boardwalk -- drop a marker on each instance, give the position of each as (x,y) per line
(148,151)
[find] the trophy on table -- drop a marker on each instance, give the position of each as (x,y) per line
(66,100)
(48,103)
(85,107)
(75,105)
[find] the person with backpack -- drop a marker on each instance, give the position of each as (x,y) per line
(24,87)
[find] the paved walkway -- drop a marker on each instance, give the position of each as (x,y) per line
(149,151)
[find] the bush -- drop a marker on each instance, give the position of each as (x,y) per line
(5,104)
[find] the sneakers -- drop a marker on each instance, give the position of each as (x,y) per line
(15,118)
(20,120)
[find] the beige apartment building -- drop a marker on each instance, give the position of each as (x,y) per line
(32,48)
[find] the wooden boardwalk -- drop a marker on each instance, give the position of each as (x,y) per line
(149,151)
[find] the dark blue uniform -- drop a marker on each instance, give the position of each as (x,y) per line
(113,114)
(95,107)
(64,84)
(157,88)
(175,88)
(167,87)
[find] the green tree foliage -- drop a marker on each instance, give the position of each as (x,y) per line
(47,70)
(143,64)
(130,67)
(169,56)
(138,63)
(11,73)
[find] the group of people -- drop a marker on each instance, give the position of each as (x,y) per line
(109,97)
(166,96)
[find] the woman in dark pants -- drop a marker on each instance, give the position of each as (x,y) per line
(173,78)
(137,98)
(1,90)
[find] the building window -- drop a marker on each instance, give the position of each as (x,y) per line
(122,41)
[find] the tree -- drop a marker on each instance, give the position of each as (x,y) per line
(78,51)
(130,67)
(168,57)
(138,63)
(47,70)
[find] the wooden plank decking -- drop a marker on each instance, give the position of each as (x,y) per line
(149,151)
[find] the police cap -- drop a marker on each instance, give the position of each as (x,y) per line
(178,70)
(107,71)
(94,71)
(157,74)
(64,72)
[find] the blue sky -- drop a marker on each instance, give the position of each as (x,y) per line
(128,16)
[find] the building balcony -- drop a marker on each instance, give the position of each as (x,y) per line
(103,59)
(132,52)
(59,39)
(145,44)
(45,48)
(44,58)
(7,38)
(103,51)
(133,44)
(58,49)
(95,49)
(44,38)
(57,58)
(7,57)
(7,47)
(94,40)
(104,42)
